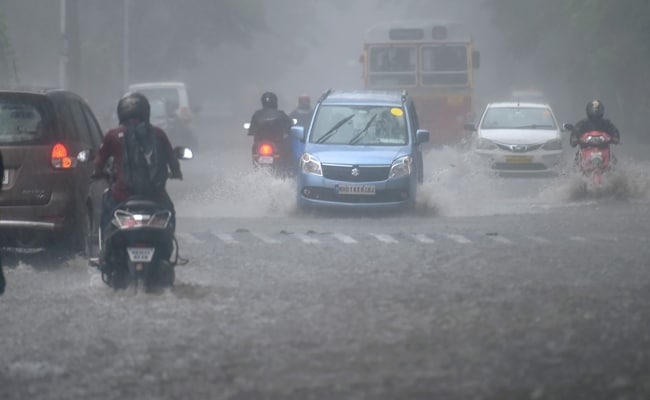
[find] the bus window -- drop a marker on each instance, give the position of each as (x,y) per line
(444,65)
(392,66)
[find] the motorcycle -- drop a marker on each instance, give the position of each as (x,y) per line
(595,158)
(273,155)
(140,247)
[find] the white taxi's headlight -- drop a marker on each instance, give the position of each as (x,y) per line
(310,165)
(484,144)
(555,144)
(401,167)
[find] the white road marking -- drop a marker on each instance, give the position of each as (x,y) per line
(307,239)
(226,238)
(539,239)
(458,238)
(384,238)
(578,238)
(501,239)
(422,238)
(344,238)
(266,239)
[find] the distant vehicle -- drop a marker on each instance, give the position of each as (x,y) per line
(172,103)
(435,62)
(518,137)
(48,139)
(363,149)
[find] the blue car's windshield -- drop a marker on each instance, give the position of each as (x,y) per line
(360,126)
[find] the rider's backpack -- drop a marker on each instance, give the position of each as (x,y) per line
(144,160)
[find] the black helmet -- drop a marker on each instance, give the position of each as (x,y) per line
(595,109)
(133,106)
(269,100)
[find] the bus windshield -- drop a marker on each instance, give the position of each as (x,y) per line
(392,66)
(444,65)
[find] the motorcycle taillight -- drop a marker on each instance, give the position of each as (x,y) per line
(266,150)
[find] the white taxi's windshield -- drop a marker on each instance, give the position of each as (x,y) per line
(360,125)
(518,118)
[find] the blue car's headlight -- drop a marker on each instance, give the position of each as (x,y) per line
(310,165)
(401,167)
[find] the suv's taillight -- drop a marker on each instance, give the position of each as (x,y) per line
(185,113)
(60,159)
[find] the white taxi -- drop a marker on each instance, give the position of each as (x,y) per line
(518,138)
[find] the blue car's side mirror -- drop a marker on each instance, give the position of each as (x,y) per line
(298,132)
(422,136)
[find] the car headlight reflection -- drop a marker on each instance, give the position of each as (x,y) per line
(401,167)
(484,144)
(555,144)
(310,165)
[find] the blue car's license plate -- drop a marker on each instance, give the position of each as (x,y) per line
(356,189)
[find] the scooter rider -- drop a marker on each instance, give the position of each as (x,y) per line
(594,122)
(133,111)
(270,123)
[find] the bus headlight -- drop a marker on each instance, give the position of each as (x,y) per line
(401,167)
(310,165)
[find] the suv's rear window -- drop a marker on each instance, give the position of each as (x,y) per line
(23,119)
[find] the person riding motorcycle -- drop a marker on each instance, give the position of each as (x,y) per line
(270,123)
(133,111)
(594,122)
(303,112)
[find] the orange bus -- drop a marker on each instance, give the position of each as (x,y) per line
(434,62)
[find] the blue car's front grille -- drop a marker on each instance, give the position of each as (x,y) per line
(356,173)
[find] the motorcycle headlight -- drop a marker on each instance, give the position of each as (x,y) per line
(401,167)
(555,144)
(484,144)
(310,165)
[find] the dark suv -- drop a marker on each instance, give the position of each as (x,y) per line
(48,139)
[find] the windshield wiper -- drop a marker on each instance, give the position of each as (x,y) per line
(334,129)
(362,132)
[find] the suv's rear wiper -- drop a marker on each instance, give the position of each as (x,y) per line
(361,133)
(333,129)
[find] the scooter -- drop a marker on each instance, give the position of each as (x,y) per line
(139,245)
(595,158)
(272,155)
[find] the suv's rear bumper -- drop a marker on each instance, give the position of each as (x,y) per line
(56,215)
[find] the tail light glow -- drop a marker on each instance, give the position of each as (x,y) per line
(266,150)
(59,158)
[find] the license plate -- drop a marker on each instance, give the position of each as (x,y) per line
(5,177)
(368,190)
(141,254)
(265,160)
(519,159)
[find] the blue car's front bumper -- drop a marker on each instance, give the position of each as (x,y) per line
(319,192)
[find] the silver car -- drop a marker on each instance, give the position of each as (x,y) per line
(518,138)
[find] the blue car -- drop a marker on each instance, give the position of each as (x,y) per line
(362,149)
